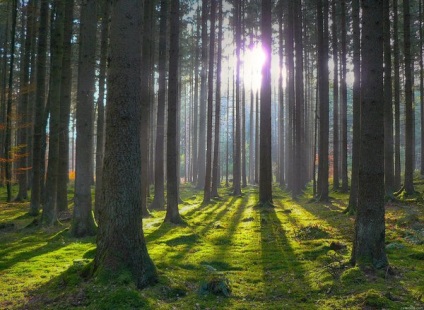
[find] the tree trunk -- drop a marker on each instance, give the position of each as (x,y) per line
(83,223)
(388,105)
(353,198)
(207,188)
(322,183)
(65,111)
(336,182)
(120,244)
(159,198)
(100,143)
(409,106)
(49,215)
(343,106)
(368,245)
(265,178)
(216,158)
(172,154)
(40,101)
(396,89)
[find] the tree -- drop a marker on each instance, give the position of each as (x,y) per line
(396,92)
(207,188)
(336,182)
(83,221)
(409,107)
(265,178)
(322,183)
(368,245)
(49,215)
(172,154)
(216,161)
(159,198)
(40,101)
(353,197)
(65,110)
(343,103)
(120,243)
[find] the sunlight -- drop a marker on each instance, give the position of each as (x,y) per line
(254,59)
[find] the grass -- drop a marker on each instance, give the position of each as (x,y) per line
(291,256)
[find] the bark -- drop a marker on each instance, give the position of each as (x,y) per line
(336,181)
(388,106)
(281,161)
(120,244)
(146,79)
(40,101)
(65,111)
(396,90)
(83,222)
(201,160)
(100,142)
(49,215)
(195,124)
(343,106)
(9,116)
(172,154)
(159,195)
(22,141)
(208,176)
(353,197)
(322,183)
(216,158)
(409,107)
(369,246)
(265,179)
(421,62)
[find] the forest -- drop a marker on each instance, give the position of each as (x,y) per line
(212,154)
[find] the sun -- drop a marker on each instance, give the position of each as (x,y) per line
(253,61)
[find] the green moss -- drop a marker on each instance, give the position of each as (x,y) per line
(353,276)
(373,298)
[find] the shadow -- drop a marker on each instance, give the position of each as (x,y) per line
(283,274)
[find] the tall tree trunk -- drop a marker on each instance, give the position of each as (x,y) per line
(172,154)
(237,143)
(159,198)
(281,160)
(120,244)
(8,138)
(100,142)
(82,222)
(421,62)
(195,124)
(336,182)
(49,215)
(353,198)
(146,79)
(368,245)
(208,176)
(265,178)
(388,105)
(216,158)
(65,111)
(343,106)
(322,183)
(396,90)
(409,106)
(39,110)
(24,91)
(201,159)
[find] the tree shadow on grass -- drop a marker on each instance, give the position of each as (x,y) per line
(283,274)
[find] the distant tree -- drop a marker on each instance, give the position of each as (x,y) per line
(82,221)
(396,93)
(343,103)
(369,246)
(336,138)
(120,243)
(172,154)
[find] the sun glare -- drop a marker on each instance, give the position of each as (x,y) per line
(254,59)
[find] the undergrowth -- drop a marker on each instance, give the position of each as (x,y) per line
(232,254)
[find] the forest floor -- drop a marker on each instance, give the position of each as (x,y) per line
(291,256)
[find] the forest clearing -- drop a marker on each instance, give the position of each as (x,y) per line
(291,256)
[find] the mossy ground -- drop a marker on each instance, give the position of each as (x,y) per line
(291,256)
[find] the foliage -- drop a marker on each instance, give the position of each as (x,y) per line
(290,256)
